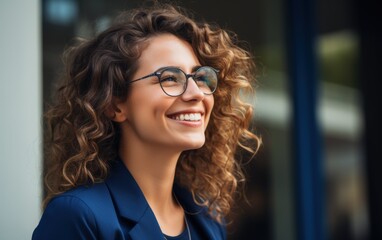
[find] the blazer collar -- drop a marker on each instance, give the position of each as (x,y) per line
(186,200)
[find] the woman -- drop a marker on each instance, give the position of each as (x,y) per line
(143,136)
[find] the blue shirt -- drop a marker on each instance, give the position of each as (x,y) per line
(117,209)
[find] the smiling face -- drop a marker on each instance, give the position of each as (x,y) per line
(154,119)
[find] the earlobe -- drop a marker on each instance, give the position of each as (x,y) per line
(115,112)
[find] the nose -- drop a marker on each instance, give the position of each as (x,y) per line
(193,92)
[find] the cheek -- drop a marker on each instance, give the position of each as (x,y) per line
(150,104)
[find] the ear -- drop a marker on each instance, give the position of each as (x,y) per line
(117,110)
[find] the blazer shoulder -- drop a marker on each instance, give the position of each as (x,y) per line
(66,217)
(89,194)
(79,213)
(219,228)
(222,229)
(97,199)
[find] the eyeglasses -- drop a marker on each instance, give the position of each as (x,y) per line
(174,81)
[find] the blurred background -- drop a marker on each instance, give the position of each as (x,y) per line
(316,108)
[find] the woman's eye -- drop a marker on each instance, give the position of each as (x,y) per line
(201,79)
(168,79)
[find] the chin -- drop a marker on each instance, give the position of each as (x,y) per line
(194,145)
(190,141)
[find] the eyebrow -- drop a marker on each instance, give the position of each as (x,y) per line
(194,68)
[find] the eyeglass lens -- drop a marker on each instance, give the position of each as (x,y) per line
(174,81)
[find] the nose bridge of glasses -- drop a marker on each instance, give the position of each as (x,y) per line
(191,82)
(191,75)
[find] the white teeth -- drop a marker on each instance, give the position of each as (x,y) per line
(188,117)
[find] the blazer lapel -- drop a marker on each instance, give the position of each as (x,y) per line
(131,204)
(146,228)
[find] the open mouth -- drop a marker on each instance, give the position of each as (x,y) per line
(192,117)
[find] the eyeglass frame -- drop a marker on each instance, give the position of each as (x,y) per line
(159,72)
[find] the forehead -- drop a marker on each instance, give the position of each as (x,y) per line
(167,50)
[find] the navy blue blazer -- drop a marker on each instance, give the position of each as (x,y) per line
(115,209)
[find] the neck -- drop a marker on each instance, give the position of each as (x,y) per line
(153,169)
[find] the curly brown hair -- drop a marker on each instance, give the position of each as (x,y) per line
(82,141)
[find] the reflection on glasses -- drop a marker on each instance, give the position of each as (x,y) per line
(174,81)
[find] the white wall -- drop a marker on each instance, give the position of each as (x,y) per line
(20,118)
